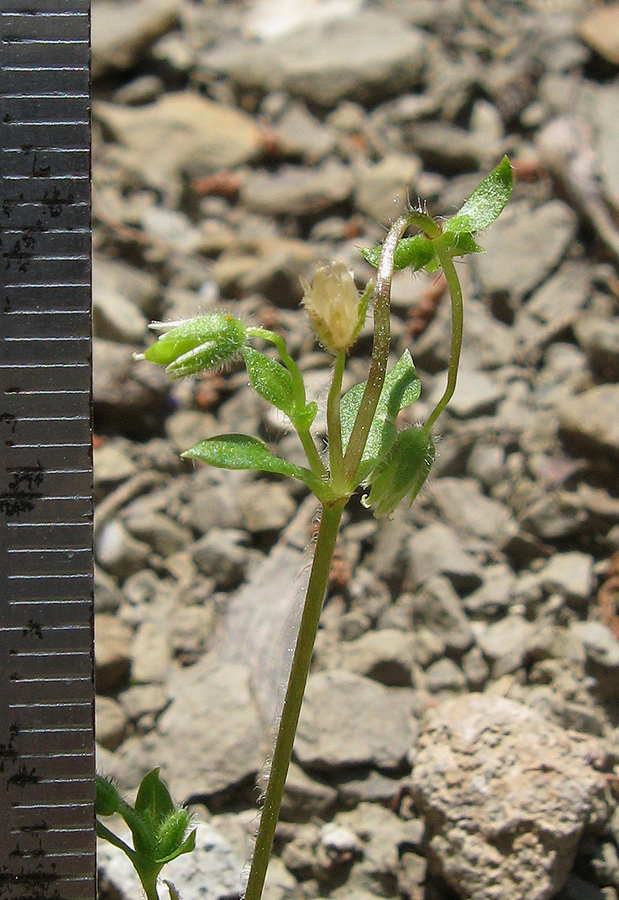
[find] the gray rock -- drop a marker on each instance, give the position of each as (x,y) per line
(112,640)
(381,189)
(209,739)
(116,277)
(118,552)
(220,555)
(143,703)
(299,191)
(385,655)
(571,574)
(305,797)
(603,115)
(444,675)
(265,506)
(438,609)
(361,58)
(110,722)
(123,389)
(157,530)
(516,261)
(476,393)
(589,421)
(302,134)
(506,796)
(348,720)
(210,505)
(599,643)
(116,318)
(599,338)
(436,550)
(212,872)
(112,465)
(462,505)
(563,295)
(122,33)
(507,643)
(447,148)
(496,593)
(181,132)
(151,655)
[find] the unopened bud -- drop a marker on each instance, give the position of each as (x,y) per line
(334,306)
(403,471)
(196,345)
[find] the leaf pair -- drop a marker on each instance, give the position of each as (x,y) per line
(485,204)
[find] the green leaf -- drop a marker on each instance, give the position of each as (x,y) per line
(414,252)
(402,471)
(240,451)
(401,388)
(270,379)
(153,802)
(486,203)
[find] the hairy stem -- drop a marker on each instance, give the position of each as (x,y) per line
(334,427)
(457,322)
(380,349)
(327,535)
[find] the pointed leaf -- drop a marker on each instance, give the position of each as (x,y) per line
(486,203)
(240,451)
(187,846)
(270,379)
(153,802)
(401,388)
(402,472)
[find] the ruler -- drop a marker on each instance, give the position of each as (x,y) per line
(46,642)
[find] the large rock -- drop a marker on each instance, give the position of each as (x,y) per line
(348,720)
(363,58)
(506,796)
(589,421)
(210,737)
(122,32)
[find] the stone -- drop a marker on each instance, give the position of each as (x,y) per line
(151,655)
(118,552)
(159,531)
(302,134)
(437,608)
(305,797)
(143,701)
(600,30)
(563,296)
(116,318)
(126,394)
(112,465)
(112,640)
(496,593)
(437,550)
(210,737)
(462,505)
(385,655)
(516,260)
(589,421)
(348,720)
(599,643)
(444,675)
(476,393)
(570,574)
(602,112)
(599,338)
(181,132)
(110,722)
(219,555)
(212,872)
(507,643)
(298,191)
(506,796)
(122,33)
(363,58)
(265,506)
(382,188)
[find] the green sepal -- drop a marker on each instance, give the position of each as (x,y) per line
(402,472)
(107,797)
(401,388)
(240,451)
(304,419)
(172,838)
(187,846)
(198,345)
(270,379)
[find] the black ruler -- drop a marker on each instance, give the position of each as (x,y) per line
(47,845)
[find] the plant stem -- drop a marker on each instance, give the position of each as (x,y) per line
(327,535)
(313,457)
(457,322)
(380,349)
(334,427)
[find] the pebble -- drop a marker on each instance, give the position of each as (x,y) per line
(571,574)
(385,655)
(306,191)
(437,550)
(349,720)
(220,555)
(589,420)
(110,722)
(112,640)
(121,36)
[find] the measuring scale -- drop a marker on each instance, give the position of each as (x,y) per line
(47,845)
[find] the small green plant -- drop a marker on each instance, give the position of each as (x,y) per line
(160,830)
(365,447)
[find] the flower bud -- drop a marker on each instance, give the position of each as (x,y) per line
(402,472)
(196,345)
(334,306)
